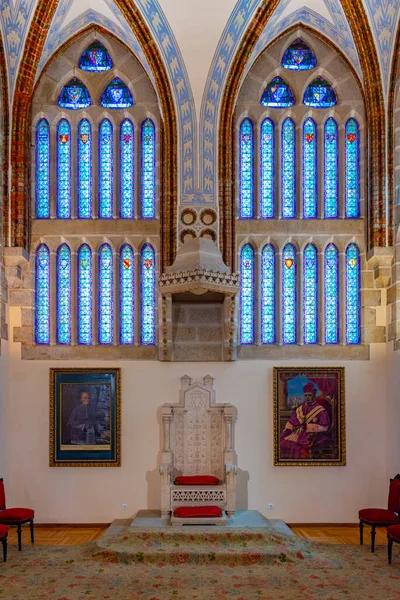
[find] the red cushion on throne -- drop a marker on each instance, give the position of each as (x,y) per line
(196,480)
(195,512)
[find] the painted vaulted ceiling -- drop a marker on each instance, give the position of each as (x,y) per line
(197,41)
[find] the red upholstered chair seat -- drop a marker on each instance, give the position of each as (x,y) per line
(12,515)
(196,480)
(184,512)
(376,515)
(394,532)
(3,531)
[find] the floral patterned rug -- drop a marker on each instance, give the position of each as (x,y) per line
(200,564)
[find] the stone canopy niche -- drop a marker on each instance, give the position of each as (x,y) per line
(198,312)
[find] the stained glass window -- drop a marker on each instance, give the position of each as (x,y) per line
(148,170)
(74,95)
(289,295)
(268,294)
(84,168)
(126,295)
(310,170)
(95,58)
(127,166)
(310,295)
(331,170)
(42,295)
(106,295)
(331,295)
(352,193)
(246,170)
(319,94)
(247,295)
(147,296)
(277,94)
(353,303)
(42,148)
(299,57)
(63,170)
(267,170)
(288,169)
(116,95)
(84,312)
(106,161)
(63,295)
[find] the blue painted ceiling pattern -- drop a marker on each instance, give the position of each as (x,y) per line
(384,18)
(58,35)
(340,34)
(15,17)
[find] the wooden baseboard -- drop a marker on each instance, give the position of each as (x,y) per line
(322,524)
(63,525)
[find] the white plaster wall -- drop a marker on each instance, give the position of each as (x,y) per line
(393,411)
(4,408)
(319,494)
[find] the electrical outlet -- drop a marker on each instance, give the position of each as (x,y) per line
(124,507)
(271,506)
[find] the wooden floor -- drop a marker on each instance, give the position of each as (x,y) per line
(69,536)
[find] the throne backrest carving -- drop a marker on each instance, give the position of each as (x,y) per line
(198,430)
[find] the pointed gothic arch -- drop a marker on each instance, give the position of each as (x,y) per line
(374,103)
(18,232)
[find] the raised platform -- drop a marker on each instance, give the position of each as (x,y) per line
(242,519)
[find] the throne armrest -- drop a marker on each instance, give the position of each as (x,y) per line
(230,468)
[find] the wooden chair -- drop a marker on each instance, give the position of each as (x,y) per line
(15,517)
(381,517)
(393,534)
(3,540)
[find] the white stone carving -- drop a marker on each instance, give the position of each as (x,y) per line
(198,439)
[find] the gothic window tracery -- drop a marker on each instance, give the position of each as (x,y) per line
(297,164)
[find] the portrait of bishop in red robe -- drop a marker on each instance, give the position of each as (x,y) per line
(306,432)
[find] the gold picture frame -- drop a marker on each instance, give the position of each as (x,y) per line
(85,417)
(309,416)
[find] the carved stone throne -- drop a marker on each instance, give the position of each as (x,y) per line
(198,439)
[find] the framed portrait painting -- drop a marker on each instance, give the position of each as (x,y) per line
(309,416)
(85,417)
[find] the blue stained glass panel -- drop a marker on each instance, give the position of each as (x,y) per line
(126,295)
(63,295)
(288,169)
(42,295)
(319,94)
(353,295)
(352,193)
(85,311)
(267,170)
(148,296)
(310,170)
(42,148)
(95,58)
(246,170)
(289,295)
(84,168)
(331,295)
(247,295)
(74,95)
(148,170)
(299,57)
(310,295)
(331,170)
(127,166)
(116,95)
(106,295)
(106,170)
(268,328)
(277,94)
(63,175)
